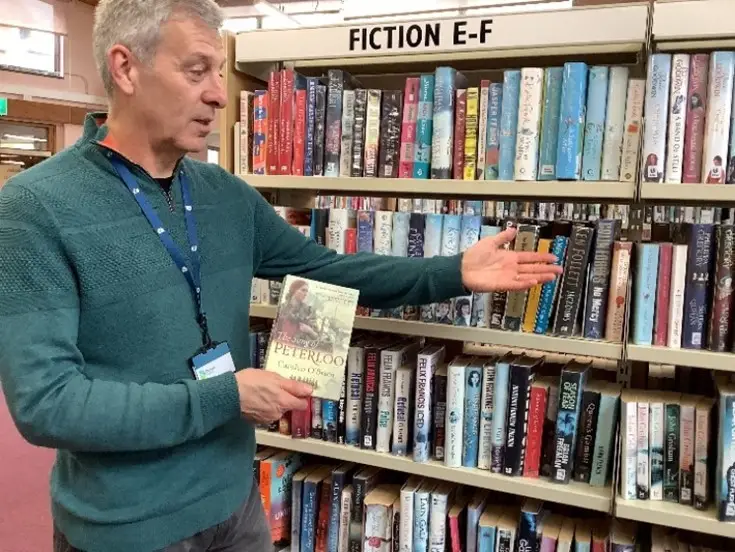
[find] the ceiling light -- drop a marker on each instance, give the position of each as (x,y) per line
(269,10)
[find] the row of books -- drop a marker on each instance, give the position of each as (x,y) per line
(322,507)
(683,290)
(664,539)
(689,130)
(589,300)
(574,122)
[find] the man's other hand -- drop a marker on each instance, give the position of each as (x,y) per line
(488,266)
(266,396)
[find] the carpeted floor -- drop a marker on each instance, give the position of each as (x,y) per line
(25,517)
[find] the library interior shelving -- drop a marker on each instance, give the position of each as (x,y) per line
(616,34)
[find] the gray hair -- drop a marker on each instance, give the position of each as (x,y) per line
(136,24)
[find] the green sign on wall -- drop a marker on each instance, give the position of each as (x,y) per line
(3,107)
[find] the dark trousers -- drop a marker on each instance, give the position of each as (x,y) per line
(246,530)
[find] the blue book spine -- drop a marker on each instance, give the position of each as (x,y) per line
(500,409)
(421,512)
(311,83)
(571,122)
(645,293)
(509,124)
(486,539)
(365,230)
(399,240)
(604,440)
(330,414)
(308,516)
(340,478)
(548,290)
(725,477)
(443,135)
(473,207)
(553,77)
(424,128)
(492,136)
(595,122)
(450,235)
(472,394)
(432,248)
(470,231)
(696,296)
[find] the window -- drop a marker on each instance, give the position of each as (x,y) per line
(16,136)
(30,51)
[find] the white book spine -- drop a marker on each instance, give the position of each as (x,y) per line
(656,441)
(386,399)
(345,514)
(484,456)
(657,109)
(402,412)
(612,145)
(529,121)
(686,453)
(405,534)
(425,368)
(702,455)
(676,297)
(632,134)
(481,131)
(348,123)
(630,451)
(677,118)
(339,220)
(378,528)
(717,122)
(643,472)
(438,521)
(422,509)
(455,415)
(246,126)
(353,405)
(383,233)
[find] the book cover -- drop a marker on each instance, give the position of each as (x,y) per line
(720,322)
(390,134)
(358,130)
(492,146)
(594,132)
(571,121)
(696,293)
(553,77)
(529,122)
(472,399)
(677,118)
(725,474)
(656,111)
(447,81)
(717,120)
(467,141)
(573,380)
(632,134)
(696,110)
(612,145)
(424,127)
(508,124)
(408,127)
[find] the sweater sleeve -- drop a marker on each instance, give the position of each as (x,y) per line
(383,281)
(52,402)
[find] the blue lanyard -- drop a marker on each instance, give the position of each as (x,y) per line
(190,270)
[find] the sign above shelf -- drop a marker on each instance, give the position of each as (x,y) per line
(576,31)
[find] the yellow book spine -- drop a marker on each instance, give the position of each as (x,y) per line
(534,296)
(470,136)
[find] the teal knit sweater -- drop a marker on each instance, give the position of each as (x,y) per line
(97,327)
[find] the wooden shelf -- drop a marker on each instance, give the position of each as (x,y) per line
(688,25)
(708,194)
(575,494)
(459,188)
(673,515)
(694,358)
(519,340)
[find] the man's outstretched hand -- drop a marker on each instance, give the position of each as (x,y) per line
(266,396)
(487,266)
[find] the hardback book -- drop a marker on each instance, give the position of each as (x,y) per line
(455,411)
(475,508)
(677,118)
(717,120)
(338,82)
(302,345)
(594,131)
(441,497)
(695,118)
(529,535)
(573,281)
(598,291)
(612,144)
(363,483)
(676,298)
(355,370)
(341,478)
(696,295)
(663,295)
(534,294)
(522,371)
(508,124)
(656,111)
(320,129)
(391,359)
(345,513)
(378,529)
(310,121)
(687,413)
(587,428)
(515,305)
(549,290)
(553,77)
(529,123)
(408,496)
(421,515)
(538,403)
(260,131)
(390,134)
(472,408)
(487,529)
(619,274)
(633,124)
(645,293)
(274,118)
(571,124)
(605,435)
(402,424)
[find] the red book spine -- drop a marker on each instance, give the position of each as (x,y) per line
(274,110)
(260,132)
(663,293)
(301,422)
(285,138)
(536,417)
(460,120)
(408,127)
(351,241)
(696,106)
(299,134)
(455,534)
(322,529)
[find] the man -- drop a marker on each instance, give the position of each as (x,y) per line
(123,265)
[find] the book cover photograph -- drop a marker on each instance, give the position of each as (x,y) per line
(311,334)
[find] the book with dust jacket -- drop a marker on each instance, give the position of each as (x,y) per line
(311,334)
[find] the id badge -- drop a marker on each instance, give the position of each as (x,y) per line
(213,362)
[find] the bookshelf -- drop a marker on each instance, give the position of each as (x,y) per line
(673,515)
(688,194)
(584,496)
(681,25)
(693,358)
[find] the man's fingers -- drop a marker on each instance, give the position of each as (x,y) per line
(533,257)
(289,403)
(539,269)
(506,236)
(296,388)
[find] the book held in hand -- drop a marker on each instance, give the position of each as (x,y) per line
(311,334)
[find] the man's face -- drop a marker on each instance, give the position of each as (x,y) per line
(182,89)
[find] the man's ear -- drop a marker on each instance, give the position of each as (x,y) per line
(123,68)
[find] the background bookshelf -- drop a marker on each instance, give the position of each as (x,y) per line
(607,35)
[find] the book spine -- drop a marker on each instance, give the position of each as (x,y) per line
(378,527)
(455,415)
(492,146)
(296,490)
(424,128)
(643,473)
(599,288)
(346,137)
(720,323)
(320,129)
(383,233)
(572,284)
(548,443)
(645,293)
(500,410)
(534,295)
(587,428)
(330,415)
(549,289)
(599,77)
(405,535)
(372,132)
(443,131)
(508,124)
(438,522)
(460,122)
(618,290)
(696,301)
(408,127)
(567,423)
(471,432)
(676,300)
(604,440)
(342,414)
(469,166)
(534,439)
(432,248)
(702,457)
(629,453)
(553,77)
(390,134)
(571,125)
(386,400)
(656,425)
(358,130)
(402,411)
(340,479)
(333,126)
(311,86)
(654,133)
(612,145)
(671,453)
(246,132)
(421,518)
(663,295)
(529,123)
(274,118)
(260,131)
(286,126)
(345,514)
(695,118)
(482,129)
(726,459)
(632,134)
(484,456)
(426,367)
(515,443)
(370,398)
(515,304)
(299,133)
(677,118)
(717,121)
(316,418)
(309,505)
(686,453)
